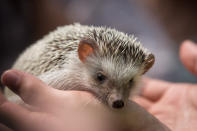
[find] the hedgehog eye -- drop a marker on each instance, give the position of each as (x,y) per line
(131,81)
(101,77)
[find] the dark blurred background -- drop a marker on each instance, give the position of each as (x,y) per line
(161,26)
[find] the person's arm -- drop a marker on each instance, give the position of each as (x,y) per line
(52,109)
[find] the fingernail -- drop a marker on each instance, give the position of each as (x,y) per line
(10,78)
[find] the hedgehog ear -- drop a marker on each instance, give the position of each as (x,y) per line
(85,49)
(149,61)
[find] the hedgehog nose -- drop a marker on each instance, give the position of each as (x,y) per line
(118,104)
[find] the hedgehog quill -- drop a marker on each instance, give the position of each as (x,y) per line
(101,60)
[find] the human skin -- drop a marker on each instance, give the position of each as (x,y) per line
(175,104)
(51,109)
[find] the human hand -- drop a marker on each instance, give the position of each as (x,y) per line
(175,104)
(51,109)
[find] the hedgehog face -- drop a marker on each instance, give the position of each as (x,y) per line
(114,68)
(113,81)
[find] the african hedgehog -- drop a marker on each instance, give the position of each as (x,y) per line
(101,60)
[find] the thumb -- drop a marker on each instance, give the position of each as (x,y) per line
(188,56)
(29,88)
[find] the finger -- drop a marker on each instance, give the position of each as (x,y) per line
(143,102)
(12,115)
(188,56)
(154,89)
(29,88)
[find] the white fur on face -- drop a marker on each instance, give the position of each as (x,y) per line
(119,71)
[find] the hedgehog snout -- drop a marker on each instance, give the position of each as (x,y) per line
(118,104)
(116,101)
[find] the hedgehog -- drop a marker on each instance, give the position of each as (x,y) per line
(100,60)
